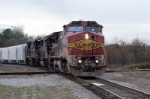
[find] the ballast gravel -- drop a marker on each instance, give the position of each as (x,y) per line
(53,80)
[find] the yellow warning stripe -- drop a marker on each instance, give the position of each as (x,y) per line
(70,50)
(50,54)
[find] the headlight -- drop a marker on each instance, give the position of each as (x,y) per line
(86,36)
(96,61)
(79,61)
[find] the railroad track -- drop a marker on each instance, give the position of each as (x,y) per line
(104,94)
(109,90)
(118,91)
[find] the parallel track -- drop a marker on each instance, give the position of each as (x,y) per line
(26,73)
(46,71)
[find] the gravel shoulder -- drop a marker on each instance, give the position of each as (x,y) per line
(42,87)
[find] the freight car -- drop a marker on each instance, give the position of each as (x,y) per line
(13,54)
(78,49)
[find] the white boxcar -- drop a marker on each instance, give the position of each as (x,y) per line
(0,55)
(21,53)
(4,53)
(12,54)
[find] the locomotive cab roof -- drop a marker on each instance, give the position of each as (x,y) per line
(52,35)
(84,23)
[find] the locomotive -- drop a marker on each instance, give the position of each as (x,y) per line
(78,50)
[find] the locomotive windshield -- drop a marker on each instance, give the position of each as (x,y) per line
(92,28)
(75,28)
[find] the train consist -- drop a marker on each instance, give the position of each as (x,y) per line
(78,49)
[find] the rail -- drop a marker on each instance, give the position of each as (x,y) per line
(25,73)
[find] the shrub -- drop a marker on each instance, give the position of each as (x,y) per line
(140,66)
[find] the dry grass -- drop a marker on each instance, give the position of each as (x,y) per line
(132,66)
(34,92)
(140,66)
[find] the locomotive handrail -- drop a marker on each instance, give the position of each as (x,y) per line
(50,54)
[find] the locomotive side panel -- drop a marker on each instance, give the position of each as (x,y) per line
(0,55)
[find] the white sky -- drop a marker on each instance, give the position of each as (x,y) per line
(125,19)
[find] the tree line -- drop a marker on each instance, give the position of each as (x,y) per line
(13,36)
(123,53)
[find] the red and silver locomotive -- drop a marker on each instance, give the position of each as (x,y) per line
(78,49)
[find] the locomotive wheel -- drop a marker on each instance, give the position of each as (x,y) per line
(50,64)
(32,63)
(37,62)
(27,62)
(45,63)
(56,65)
(63,66)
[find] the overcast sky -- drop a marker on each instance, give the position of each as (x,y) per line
(125,19)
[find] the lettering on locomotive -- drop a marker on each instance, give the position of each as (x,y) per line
(86,45)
